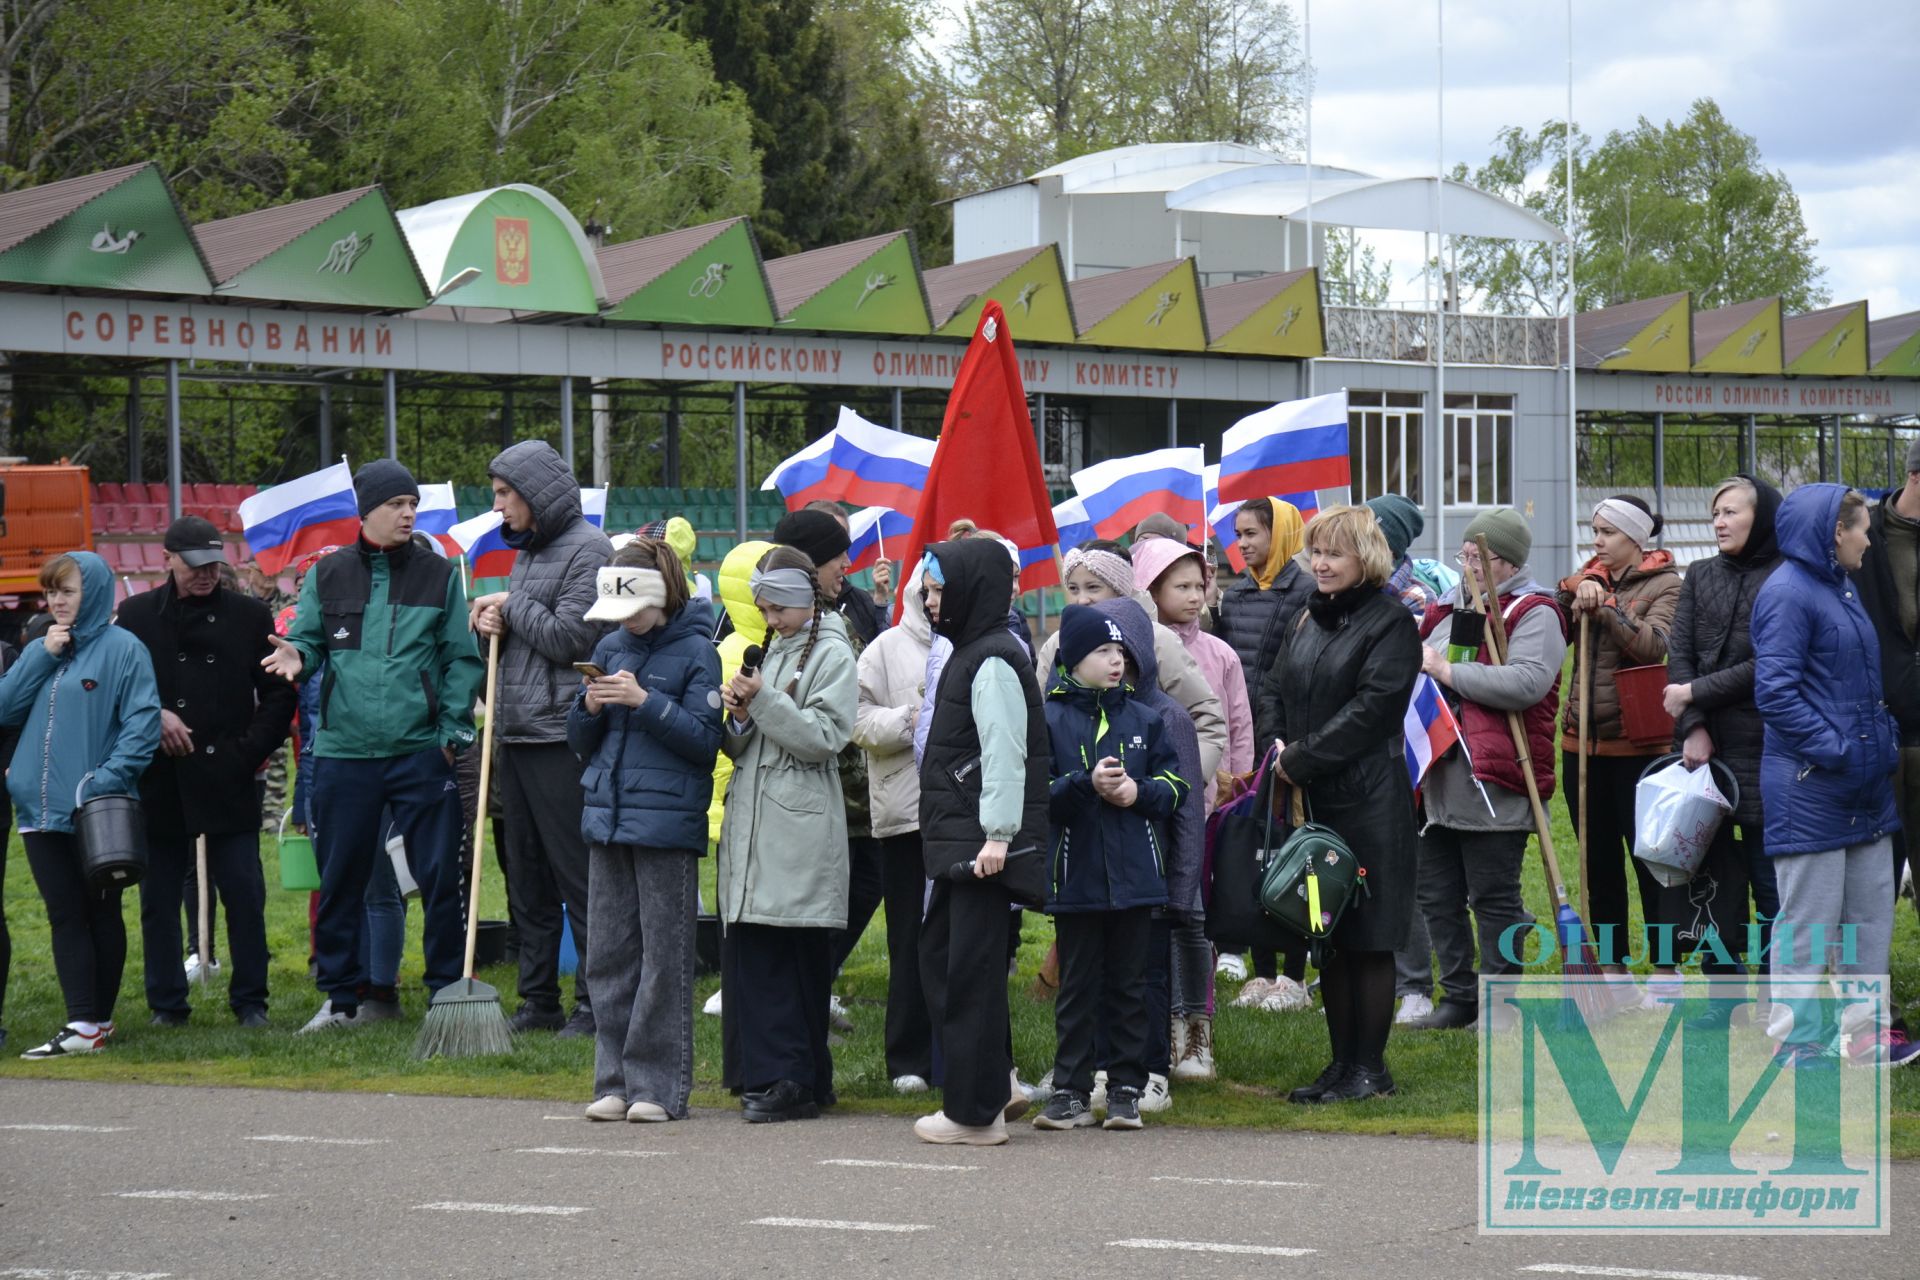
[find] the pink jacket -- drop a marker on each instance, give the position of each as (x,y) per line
(1217,661)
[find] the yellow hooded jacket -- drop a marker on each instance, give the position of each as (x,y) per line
(749,627)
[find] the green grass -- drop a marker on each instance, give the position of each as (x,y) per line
(1260,1055)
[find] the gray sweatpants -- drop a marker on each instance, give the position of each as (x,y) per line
(642,904)
(1852,887)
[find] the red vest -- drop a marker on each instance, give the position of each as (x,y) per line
(1489,740)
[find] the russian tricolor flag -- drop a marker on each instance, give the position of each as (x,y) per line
(871,527)
(872,466)
(289,520)
(488,555)
(1429,726)
(798,476)
(1121,492)
(1075,526)
(1220,519)
(1295,447)
(437,515)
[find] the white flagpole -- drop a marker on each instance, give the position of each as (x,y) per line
(1573,363)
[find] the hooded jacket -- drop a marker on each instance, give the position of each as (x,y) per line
(1648,592)
(552,587)
(783,845)
(206,653)
(90,716)
(1180,678)
(649,774)
(892,690)
(1218,663)
(400,672)
(1831,745)
(1711,649)
(749,628)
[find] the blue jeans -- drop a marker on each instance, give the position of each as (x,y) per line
(386,932)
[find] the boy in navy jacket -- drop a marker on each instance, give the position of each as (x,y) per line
(1114,790)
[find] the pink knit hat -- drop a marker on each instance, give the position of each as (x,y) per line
(1152,557)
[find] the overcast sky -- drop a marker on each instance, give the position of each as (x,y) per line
(1829,88)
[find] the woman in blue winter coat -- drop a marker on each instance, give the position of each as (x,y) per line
(1826,769)
(1115,788)
(86,697)
(649,729)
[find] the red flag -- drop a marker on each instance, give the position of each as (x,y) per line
(987,466)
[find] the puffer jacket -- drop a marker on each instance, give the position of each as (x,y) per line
(892,690)
(1649,592)
(749,628)
(1181,679)
(1187,829)
(783,846)
(1831,744)
(90,717)
(552,587)
(1257,623)
(1101,857)
(1711,649)
(649,774)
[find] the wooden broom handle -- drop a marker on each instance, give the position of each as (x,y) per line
(480,811)
(1584,674)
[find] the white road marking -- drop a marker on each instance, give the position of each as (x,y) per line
(1229,1182)
(569,1118)
(329,1142)
(466,1206)
(1206,1246)
(837,1224)
(902,1164)
(1574,1269)
(222,1196)
(47,1273)
(585,1151)
(64,1128)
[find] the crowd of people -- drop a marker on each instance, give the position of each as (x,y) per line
(945,766)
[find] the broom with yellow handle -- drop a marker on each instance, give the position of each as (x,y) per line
(465,1019)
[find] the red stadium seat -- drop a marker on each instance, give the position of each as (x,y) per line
(109,517)
(148,518)
(232,495)
(154,556)
(108,491)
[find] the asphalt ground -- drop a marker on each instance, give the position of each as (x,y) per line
(101,1180)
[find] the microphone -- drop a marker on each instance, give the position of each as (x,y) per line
(751,659)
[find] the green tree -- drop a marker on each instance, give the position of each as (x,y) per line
(1661,208)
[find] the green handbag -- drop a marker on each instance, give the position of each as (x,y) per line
(1311,881)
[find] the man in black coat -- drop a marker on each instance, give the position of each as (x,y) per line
(221,716)
(1889,586)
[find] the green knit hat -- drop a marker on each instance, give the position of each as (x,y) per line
(1399,520)
(1507,534)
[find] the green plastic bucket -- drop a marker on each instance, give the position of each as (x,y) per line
(299,871)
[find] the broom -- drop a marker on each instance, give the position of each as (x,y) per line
(203,927)
(1578,958)
(465,1019)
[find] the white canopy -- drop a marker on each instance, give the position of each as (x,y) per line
(1384,204)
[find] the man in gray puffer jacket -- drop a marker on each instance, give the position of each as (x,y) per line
(540,619)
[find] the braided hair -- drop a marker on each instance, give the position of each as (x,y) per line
(785,557)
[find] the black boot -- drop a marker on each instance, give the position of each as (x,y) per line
(1328,1079)
(1448,1015)
(1360,1083)
(784,1100)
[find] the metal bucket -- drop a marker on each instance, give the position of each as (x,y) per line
(113,841)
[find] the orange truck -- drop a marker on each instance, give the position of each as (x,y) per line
(44,511)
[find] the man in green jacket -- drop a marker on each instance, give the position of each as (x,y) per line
(389,620)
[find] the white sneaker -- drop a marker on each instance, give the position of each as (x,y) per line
(326,1019)
(1177,1038)
(611,1107)
(1097,1100)
(1043,1092)
(644,1112)
(1413,1008)
(1196,1056)
(1158,1096)
(1286,996)
(837,1015)
(68,1043)
(1018,1099)
(193,967)
(909,1084)
(1231,966)
(1256,990)
(937,1128)
(712,1006)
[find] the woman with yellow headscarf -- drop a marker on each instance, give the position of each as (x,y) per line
(1257,614)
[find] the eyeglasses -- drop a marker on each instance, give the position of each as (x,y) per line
(1463,559)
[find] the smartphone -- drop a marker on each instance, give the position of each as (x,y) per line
(588,669)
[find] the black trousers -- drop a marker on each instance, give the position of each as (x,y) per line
(963,967)
(1156,990)
(89,935)
(1477,871)
(6,938)
(866,890)
(774,983)
(541,800)
(1103,960)
(233,866)
(1610,784)
(909,1027)
(1717,897)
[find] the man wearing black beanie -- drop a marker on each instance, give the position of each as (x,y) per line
(389,622)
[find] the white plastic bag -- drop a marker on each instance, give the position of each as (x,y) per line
(402,872)
(1676,812)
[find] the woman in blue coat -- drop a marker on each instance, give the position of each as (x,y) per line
(649,729)
(86,699)
(1826,770)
